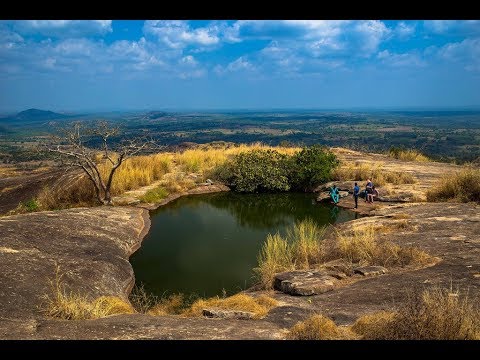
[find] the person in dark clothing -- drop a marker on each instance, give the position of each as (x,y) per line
(356,192)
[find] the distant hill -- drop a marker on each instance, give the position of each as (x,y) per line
(154,115)
(33,115)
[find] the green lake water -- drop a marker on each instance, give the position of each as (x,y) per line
(204,244)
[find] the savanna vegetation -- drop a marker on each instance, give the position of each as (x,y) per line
(306,246)
(462,186)
(68,305)
(432,314)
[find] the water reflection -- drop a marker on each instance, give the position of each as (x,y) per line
(205,243)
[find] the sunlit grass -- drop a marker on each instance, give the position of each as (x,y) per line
(462,186)
(434,314)
(259,306)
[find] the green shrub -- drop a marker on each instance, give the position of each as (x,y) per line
(30,205)
(154,195)
(311,167)
(256,171)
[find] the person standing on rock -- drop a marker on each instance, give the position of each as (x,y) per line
(356,192)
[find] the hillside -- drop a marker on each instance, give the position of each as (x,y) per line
(33,116)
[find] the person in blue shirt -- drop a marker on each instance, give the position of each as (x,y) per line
(334,194)
(356,192)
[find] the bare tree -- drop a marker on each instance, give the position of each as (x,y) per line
(84,146)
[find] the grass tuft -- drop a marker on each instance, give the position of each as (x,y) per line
(154,195)
(359,245)
(463,186)
(407,155)
(434,314)
(240,302)
(318,327)
(73,306)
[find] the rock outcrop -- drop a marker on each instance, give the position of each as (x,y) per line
(91,247)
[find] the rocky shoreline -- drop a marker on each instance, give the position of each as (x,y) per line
(92,247)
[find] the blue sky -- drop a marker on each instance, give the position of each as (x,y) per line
(74,65)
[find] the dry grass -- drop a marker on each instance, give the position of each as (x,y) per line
(360,245)
(409,155)
(463,186)
(300,249)
(177,183)
(305,238)
(173,169)
(370,326)
(241,302)
(318,327)
(401,216)
(73,306)
(348,171)
(275,256)
(138,171)
(78,192)
(172,305)
(207,157)
(305,247)
(434,314)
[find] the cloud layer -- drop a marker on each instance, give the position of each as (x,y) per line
(245,49)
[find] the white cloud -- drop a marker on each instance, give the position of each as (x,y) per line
(178,33)
(404,30)
(400,60)
(63,28)
(466,52)
(458,27)
(240,64)
(370,33)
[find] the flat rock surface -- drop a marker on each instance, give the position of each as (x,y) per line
(448,231)
(140,326)
(90,245)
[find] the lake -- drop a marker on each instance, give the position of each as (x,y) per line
(207,244)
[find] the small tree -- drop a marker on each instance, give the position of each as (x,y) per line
(84,145)
(311,167)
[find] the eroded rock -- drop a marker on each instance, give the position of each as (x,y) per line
(304,282)
(370,270)
(228,314)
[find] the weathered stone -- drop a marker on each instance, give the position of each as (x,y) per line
(91,246)
(228,314)
(140,326)
(303,283)
(340,266)
(370,270)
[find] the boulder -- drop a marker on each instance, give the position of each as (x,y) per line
(370,270)
(228,314)
(304,282)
